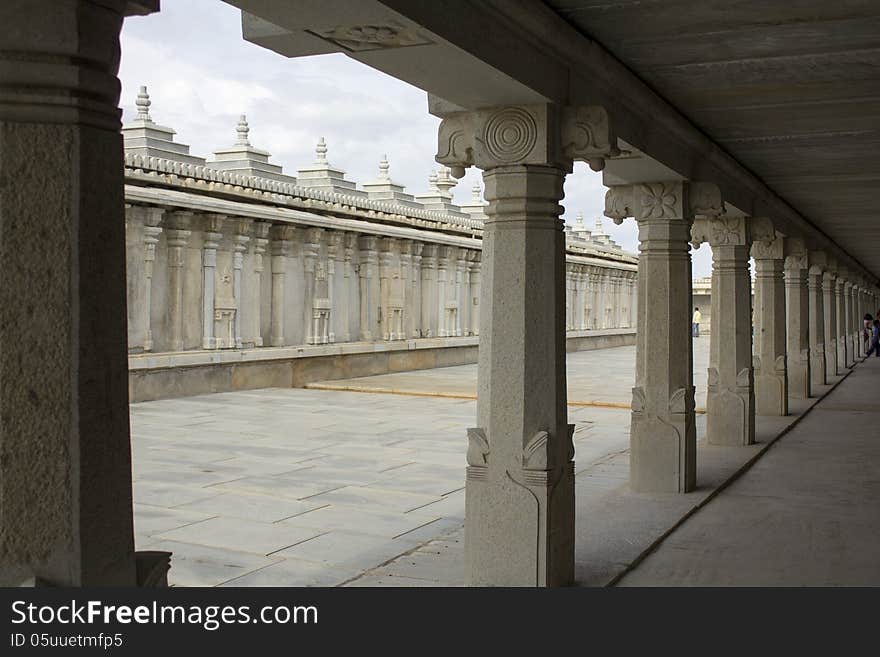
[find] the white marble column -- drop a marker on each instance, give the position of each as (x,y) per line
(369,278)
(152,219)
(282,237)
(334,242)
(770,362)
(797,314)
(389,247)
(261,234)
(817,321)
(65,454)
(730,401)
(595,313)
(406,249)
(460,292)
(829,299)
(177,238)
(569,301)
(239,248)
(416,287)
(858,315)
(663,430)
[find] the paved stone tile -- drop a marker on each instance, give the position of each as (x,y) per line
(149,520)
(278,485)
(241,535)
(297,572)
(355,519)
(263,508)
(374,498)
(349,549)
(169,495)
(199,565)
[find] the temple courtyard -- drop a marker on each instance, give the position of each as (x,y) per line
(361,482)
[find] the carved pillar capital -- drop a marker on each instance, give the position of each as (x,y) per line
(543,134)
(663,200)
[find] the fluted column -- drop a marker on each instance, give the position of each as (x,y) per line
(239,248)
(770,362)
(65,453)
(177,237)
(152,219)
(663,430)
(817,321)
(415,316)
(369,260)
(829,299)
(730,401)
(797,313)
(261,234)
(282,237)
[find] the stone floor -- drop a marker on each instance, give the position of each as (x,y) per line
(333,487)
(807,513)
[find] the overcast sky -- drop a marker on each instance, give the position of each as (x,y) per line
(201,75)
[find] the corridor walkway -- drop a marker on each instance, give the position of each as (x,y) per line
(807,513)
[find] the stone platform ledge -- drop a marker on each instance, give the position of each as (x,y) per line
(167,375)
(615,528)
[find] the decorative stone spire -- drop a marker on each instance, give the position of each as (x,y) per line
(384,169)
(599,228)
(143,106)
(445,182)
(242,129)
(432,181)
(476,193)
(579,221)
(321,152)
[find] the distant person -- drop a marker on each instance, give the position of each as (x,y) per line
(695,322)
(875,339)
(866,330)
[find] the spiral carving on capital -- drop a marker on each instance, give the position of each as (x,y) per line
(510,135)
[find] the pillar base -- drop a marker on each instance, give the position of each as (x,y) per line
(730,410)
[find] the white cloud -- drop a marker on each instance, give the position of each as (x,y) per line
(201,75)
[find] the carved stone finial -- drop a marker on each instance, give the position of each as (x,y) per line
(384,168)
(242,129)
(579,220)
(476,193)
(321,152)
(444,182)
(600,228)
(432,181)
(143,105)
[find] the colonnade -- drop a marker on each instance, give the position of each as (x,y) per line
(802,330)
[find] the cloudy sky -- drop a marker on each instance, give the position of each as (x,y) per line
(201,75)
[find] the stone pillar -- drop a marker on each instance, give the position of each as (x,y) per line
(829,284)
(369,284)
(797,318)
(817,322)
(282,237)
(406,248)
(177,237)
(594,298)
(663,432)
(261,233)
(771,372)
(730,402)
(152,219)
(429,290)
(519,520)
(386,264)
(474,300)
(415,308)
(213,235)
(334,240)
(569,301)
(350,244)
(858,345)
(65,454)
(460,292)
(443,255)
(840,324)
(633,309)
(311,249)
(239,248)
